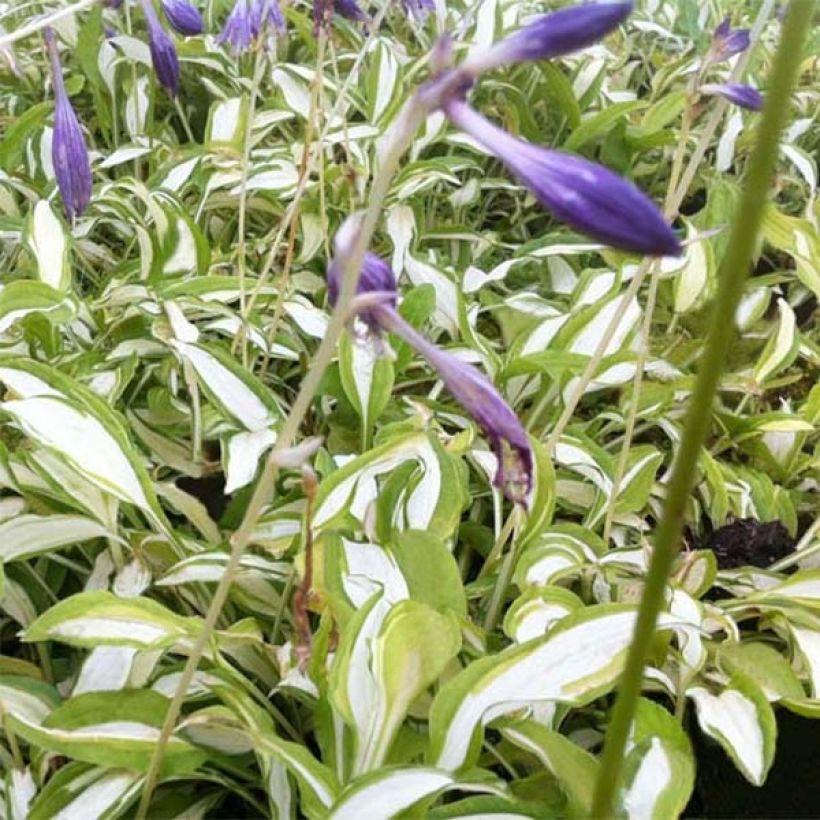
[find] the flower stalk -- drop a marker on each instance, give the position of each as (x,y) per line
(733,272)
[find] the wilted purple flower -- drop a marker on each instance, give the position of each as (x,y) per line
(419,9)
(183,17)
(552,35)
(163,52)
(478,396)
(585,195)
(247,20)
(69,152)
(743,95)
(471,389)
(726,42)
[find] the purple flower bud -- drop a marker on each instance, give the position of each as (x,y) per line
(585,195)
(552,35)
(743,95)
(163,52)
(183,17)
(247,21)
(69,152)
(351,10)
(727,42)
(419,9)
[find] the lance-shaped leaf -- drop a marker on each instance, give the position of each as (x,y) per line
(73,422)
(45,236)
(21,298)
(81,790)
(390,792)
(389,653)
(117,729)
(781,347)
(579,660)
(25,535)
(92,619)
(430,497)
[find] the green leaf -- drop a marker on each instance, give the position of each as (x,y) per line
(742,721)
(597,125)
(115,729)
(762,664)
(19,299)
(14,139)
(93,619)
(25,535)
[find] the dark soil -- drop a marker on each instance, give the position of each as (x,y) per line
(747,542)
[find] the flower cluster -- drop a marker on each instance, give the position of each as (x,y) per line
(248,21)
(69,152)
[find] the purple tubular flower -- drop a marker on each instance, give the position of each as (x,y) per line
(743,95)
(552,35)
(470,388)
(419,9)
(478,396)
(183,17)
(69,152)
(351,10)
(585,195)
(247,21)
(163,52)
(727,42)
(376,276)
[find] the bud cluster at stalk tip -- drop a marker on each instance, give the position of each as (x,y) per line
(249,21)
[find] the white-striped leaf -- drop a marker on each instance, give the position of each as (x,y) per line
(27,535)
(93,619)
(742,721)
(21,298)
(45,237)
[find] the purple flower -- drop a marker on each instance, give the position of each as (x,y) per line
(552,35)
(163,52)
(323,12)
(69,152)
(727,42)
(247,21)
(419,9)
(376,276)
(471,389)
(743,95)
(585,195)
(183,17)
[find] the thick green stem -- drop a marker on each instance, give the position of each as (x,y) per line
(733,272)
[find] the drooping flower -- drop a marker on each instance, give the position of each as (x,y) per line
(419,9)
(726,42)
(743,95)
(479,397)
(585,195)
(183,17)
(69,152)
(247,21)
(552,35)
(163,51)
(471,389)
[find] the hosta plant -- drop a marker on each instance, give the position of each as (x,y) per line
(409,408)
